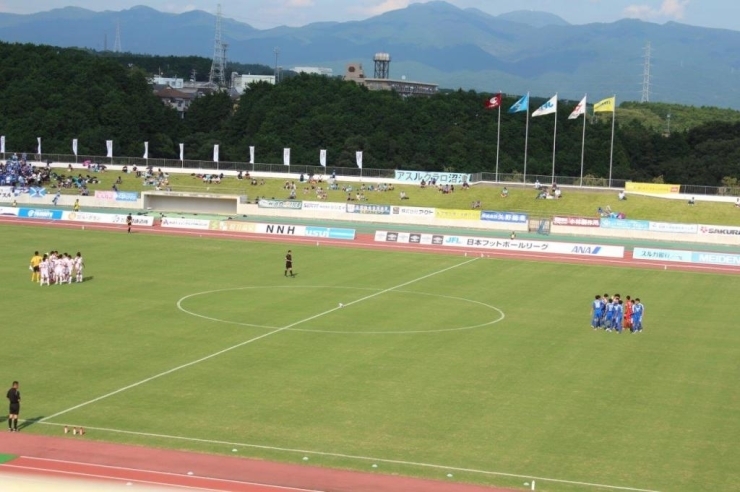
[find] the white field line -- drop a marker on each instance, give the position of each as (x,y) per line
(251,340)
(355,457)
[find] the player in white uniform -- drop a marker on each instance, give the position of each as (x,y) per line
(44,270)
(52,266)
(79,266)
(59,271)
(68,267)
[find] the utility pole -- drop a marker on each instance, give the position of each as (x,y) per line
(117,43)
(217,66)
(277,54)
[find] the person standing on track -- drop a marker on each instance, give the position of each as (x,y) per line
(14,397)
(289,264)
(129,221)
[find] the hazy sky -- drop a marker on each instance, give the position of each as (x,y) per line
(270,13)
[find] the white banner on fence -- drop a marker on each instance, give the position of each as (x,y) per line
(101,218)
(325,206)
(673,228)
(182,223)
(413,211)
(490,243)
(717,230)
(281,229)
(13,211)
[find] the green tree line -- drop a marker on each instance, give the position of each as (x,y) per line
(59,94)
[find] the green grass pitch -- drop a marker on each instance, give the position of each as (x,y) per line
(537,393)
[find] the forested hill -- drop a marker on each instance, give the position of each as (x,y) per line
(60,94)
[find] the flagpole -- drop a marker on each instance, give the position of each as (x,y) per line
(611,151)
(526,143)
(498,131)
(583,139)
(554,141)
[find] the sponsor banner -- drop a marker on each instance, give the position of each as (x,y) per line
(441,178)
(715,258)
(330,233)
(652,187)
(413,211)
(457,214)
(503,217)
(625,224)
(409,237)
(9,211)
(325,206)
(673,227)
(714,230)
(489,243)
(183,223)
(101,218)
(118,196)
(661,255)
(280,229)
(366,208)
(289,204)
(42,213)
(233,226)
(576,221)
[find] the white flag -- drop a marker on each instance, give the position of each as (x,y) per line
(358,155)
(215,153)
(38,147)
(109,146)
(182,152)
(146,150)
(251,154)
(322,157)
(2,144)
(74,146)
(580,109)
(286,156)
(550,107)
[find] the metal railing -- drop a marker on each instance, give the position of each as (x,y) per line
(206,166)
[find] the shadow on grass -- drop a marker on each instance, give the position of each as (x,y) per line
(29,422)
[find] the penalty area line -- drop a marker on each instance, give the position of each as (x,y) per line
(247,342)
(356,457)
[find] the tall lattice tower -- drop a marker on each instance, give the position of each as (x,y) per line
(646,82)
(218,66)
(382,65)
(117,43)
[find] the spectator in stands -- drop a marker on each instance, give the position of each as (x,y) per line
(505,193)
(404,196)
(537,185)
(692,201)
(558,193)
(737,203)
(622,195)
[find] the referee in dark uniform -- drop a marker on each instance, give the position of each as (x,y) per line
(289,264)
(129,221)
(14,397)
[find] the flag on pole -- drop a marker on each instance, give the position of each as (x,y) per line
(550,107)
(521,105)
(494,102)
(606,105)
(215,153)
(74,146)
(251,154)
(109,146)
(286,156)
(38,147)
(579,110)
(146,150)
(2,144)
(182,152)
(358,156)
(322,157)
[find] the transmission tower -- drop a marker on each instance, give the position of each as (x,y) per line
(218,67)
(646,74)
(117,43)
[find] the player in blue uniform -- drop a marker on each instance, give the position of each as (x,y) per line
(597,310)
(638,310)
(618,314)
(609,317)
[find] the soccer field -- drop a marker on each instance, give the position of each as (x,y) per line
(436,364)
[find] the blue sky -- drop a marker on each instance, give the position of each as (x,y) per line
(269,13)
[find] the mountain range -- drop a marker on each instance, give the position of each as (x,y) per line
(437,42)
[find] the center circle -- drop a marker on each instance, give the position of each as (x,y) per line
(459,313)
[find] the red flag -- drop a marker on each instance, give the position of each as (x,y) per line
(494,102)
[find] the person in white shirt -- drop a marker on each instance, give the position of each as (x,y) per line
(622,195)
(79,265)
(44,270)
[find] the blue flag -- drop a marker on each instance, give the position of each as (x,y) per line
(521,105)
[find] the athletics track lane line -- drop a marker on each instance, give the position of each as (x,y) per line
(251,340)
